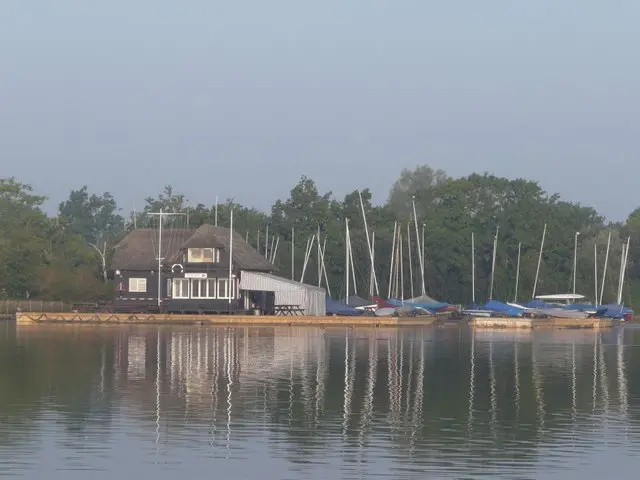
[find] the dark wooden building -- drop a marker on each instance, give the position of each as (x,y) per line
(194,275)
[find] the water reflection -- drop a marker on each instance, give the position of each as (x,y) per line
(316,403)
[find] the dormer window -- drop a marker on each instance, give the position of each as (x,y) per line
(203,255)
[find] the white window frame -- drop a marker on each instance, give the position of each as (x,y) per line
(177,290)
(224,292)
(137,285)
(204,288)
(196,255)
(212,285)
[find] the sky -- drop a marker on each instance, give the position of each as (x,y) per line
(240,99)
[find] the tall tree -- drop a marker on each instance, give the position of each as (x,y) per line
(96,218)
(418,183)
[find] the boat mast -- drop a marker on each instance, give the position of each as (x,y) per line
(293,252)
(396,270)
(353,267)
(493,262)
(515,295)
(595,273)
(347,266)
(575,260)
(266,242)
(623,268)
(604,271)
(420,247)
(424,258)
(535,282)
(372,273)
(410,255)
(401,260)
(473,269)
(324,268)
(618,293)
(393,252)
(369,245)
(307,256)
(319,259)
(231,285)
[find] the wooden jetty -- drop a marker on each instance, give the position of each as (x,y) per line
(529,323)
(50,318)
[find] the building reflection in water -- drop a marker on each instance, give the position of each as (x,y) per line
(311,384)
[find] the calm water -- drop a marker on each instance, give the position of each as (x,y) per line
(235,403)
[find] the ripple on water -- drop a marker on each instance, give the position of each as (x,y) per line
(313,403)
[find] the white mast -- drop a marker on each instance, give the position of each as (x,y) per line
(420,247)
(319,259)
(493,262)
(595,273)
(396,271)
(369,245)
(515,296)
(393,253)
(623,268)
(353,267)
(293,252)
(401,260)
(231,285)
(266,242)
(372,280)
(275,249)
(535,282)
(324,269)
(410,261)
(624,271)
(424,258)
(307,255)
(347,266)
(161,216)
(620,274)
(575,260)
(604,271)
(473,269)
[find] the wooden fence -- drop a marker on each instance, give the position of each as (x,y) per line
(9,307)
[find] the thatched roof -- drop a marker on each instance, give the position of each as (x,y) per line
(139,249)
(205,237)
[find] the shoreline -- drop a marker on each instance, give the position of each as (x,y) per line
(51,318)
(68,318)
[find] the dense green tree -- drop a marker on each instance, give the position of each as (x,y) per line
(93,216)
(96,218)
(62,257)
(417,183)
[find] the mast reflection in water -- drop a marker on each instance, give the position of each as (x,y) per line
(293,402)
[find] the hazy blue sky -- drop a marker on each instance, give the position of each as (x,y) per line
(241,98)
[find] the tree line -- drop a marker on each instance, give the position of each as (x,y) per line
(66,256)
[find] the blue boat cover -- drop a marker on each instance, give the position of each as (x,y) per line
(496,306)
(355,301)
(537,303)
(613,310)
(335,307)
